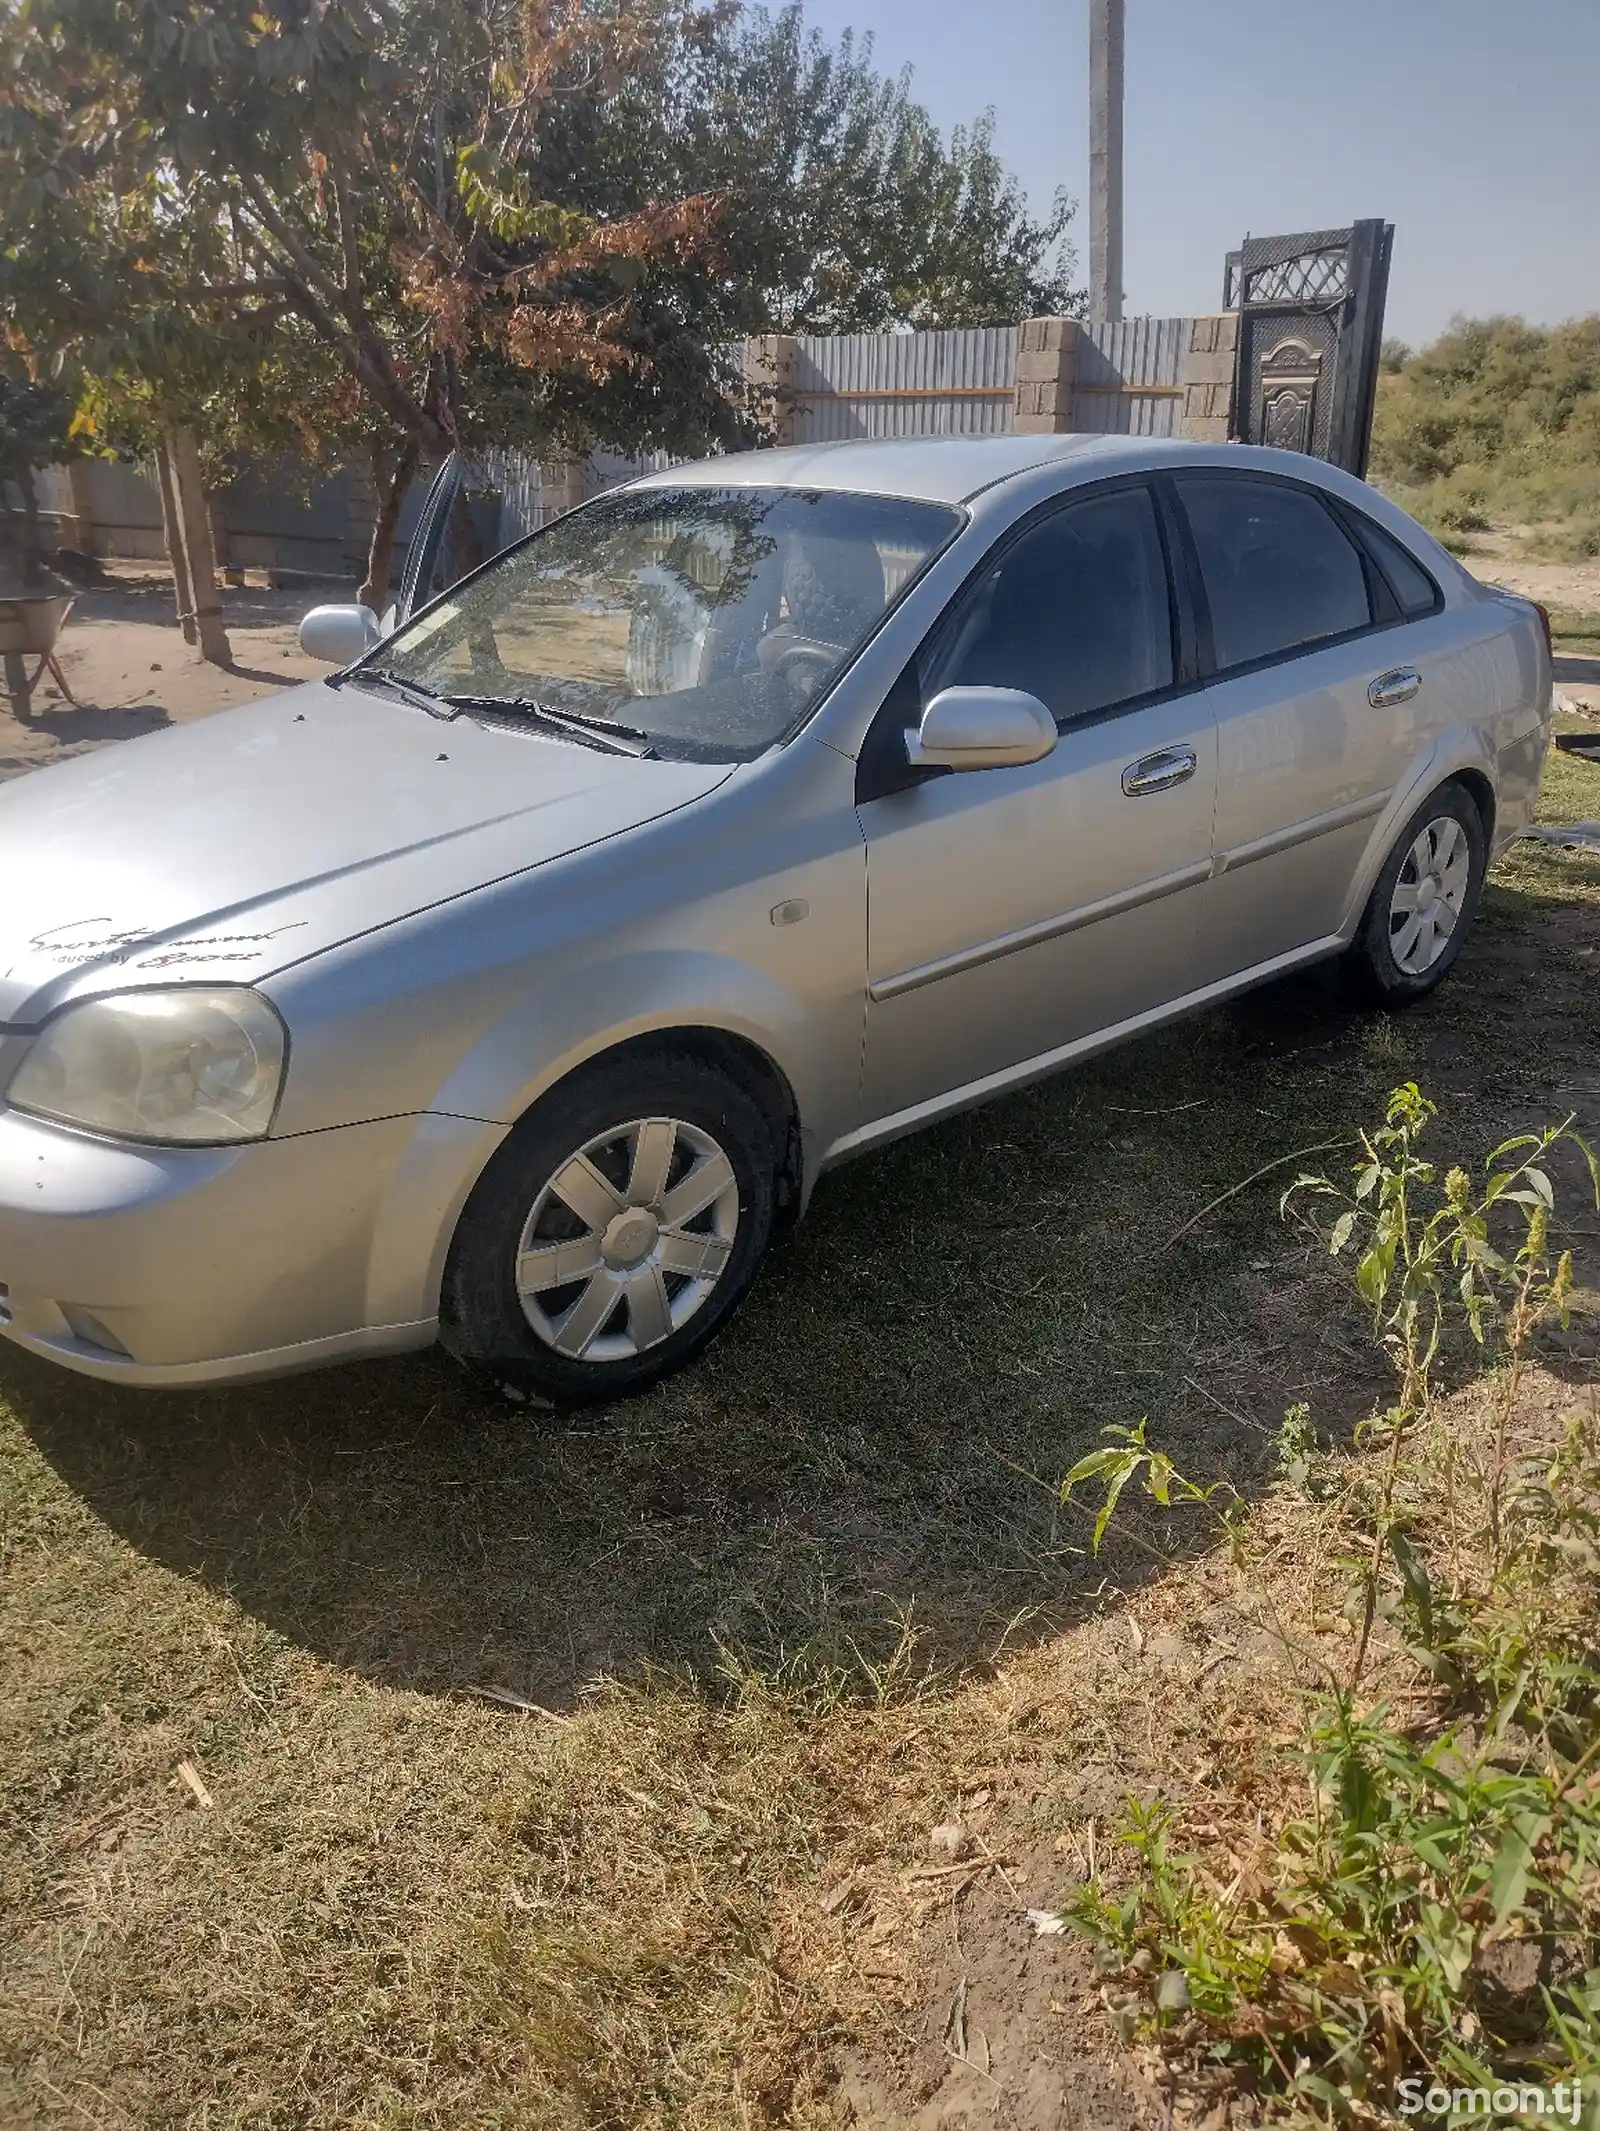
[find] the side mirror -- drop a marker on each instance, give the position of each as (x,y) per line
(339,634)
(981,729)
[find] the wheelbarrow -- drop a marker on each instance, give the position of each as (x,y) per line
(29,629)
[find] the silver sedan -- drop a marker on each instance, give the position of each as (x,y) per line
(512,985)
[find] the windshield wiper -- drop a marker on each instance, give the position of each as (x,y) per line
(594,732)
(416,693)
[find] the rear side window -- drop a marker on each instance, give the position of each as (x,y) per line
(1408,580)
(1076,611)
(1280,573)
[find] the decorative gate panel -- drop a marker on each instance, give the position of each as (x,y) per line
(1310,327)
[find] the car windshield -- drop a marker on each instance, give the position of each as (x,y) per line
(701,622)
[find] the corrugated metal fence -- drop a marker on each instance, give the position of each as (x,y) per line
(905,384)
(1128,377)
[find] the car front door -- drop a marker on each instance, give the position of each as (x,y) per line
(428,569)
(1013,911)
(1316,696)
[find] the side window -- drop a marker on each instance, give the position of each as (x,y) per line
(1076,612)
(1408,580)
(1279,571)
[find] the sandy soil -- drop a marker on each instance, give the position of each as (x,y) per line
(131,672)
(1500,556)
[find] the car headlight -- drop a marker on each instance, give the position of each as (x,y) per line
(198,1065)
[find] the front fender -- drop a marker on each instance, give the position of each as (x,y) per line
(411,1236)
(544,1038)
(538,1044)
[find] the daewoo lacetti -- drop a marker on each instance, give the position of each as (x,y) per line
(511,984)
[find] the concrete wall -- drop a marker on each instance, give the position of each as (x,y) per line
(1208,377)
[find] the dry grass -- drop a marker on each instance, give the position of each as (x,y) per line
(781,1617)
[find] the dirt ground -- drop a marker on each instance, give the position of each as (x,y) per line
(1500,557)
(131,672)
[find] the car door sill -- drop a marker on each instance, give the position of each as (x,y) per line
(1010,943)
(967,1097)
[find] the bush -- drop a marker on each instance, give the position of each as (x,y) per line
(1421,1895)
(1496,417)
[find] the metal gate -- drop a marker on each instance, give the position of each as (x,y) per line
(1310,329)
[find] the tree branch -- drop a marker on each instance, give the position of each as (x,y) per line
(278,227)
(265,285)
(354,302)
(368,357)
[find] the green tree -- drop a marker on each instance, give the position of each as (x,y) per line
(846,211)
(315,203)
(378,228)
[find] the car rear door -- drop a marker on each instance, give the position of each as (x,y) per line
(1320,685)
(1013,911)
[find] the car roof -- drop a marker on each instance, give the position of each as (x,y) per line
(937,469)
(955,470)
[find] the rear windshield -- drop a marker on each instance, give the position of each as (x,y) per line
(708,621)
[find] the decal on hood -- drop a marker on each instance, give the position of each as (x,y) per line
(97,940)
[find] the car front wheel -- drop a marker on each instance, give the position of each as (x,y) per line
(615,1231)
(1416,920)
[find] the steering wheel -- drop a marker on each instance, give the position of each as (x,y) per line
(803,667)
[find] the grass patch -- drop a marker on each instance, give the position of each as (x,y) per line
(762,1629)
(1575,629)
(754,1602)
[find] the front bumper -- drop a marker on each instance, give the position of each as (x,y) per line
(163,1265)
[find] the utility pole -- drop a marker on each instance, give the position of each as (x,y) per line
(1105,159)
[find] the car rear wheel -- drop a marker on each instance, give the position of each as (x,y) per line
(1416,920)
(615,1232)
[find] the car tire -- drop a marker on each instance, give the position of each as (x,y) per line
(1422,904)
(646,1181)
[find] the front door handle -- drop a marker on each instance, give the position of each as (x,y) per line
(1159,772)
(1397,686)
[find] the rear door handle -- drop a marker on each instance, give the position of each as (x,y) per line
(1399,685)
(1159,772)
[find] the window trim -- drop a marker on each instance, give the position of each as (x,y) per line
(881,765)
(1384,607)
(1360,525)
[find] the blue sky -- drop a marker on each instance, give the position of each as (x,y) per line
(1472,125)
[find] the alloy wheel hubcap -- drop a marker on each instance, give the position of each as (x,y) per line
(627,1240)
(1429,895)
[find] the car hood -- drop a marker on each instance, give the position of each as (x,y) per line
(226,849)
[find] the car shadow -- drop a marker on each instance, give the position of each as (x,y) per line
(874,1442)
(867,1461)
